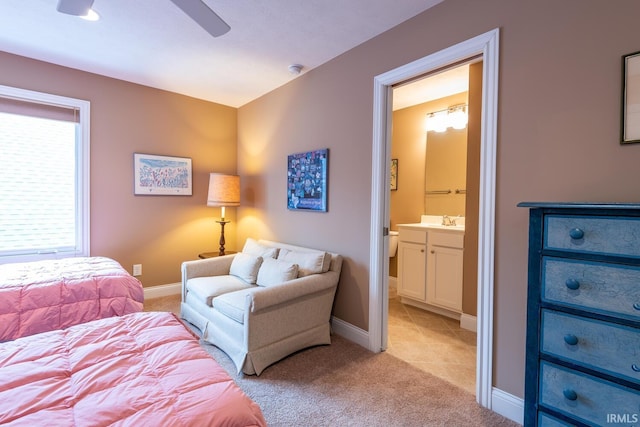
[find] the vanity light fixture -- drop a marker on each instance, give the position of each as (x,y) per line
(455,117)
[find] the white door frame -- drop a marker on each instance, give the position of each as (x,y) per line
(487,45)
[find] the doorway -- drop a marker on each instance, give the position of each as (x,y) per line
(432,326)
(485,45)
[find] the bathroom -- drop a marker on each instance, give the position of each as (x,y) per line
(436,173)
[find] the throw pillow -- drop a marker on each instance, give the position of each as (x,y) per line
(311,262)
(245,267)
(252,247)
(273,272)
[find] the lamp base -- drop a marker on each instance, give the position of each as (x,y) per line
(222,242)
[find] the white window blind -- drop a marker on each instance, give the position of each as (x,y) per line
(44,178)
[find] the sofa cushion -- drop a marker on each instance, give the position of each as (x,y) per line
(252,247)
(232,304)
(245,266)
(207,288)
(309,262)
(274,271)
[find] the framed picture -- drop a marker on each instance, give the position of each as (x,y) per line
(307,180)
(394,174)
(630,128)
(162,175)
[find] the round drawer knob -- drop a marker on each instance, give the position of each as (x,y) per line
(576,233)
(571,339)
(635,368)
(636,305)
(570,394)
(572,284)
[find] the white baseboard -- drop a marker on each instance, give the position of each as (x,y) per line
(162,290)
(469,322)
(350,332)
(507,405)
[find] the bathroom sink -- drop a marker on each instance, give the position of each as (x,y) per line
(442,222)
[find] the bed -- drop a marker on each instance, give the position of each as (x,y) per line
(140,369)
(46,295)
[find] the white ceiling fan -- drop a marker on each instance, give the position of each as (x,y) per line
(195,9)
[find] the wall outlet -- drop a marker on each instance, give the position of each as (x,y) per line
(137,269)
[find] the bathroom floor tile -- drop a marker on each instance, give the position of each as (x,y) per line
(432,343)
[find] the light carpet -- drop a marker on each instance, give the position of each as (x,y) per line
(344,384)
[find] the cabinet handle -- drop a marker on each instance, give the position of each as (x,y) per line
(572,284)
(571,339)
(576,233)
(636,305)
(570,394)
(635,368)
(433,252)
(422,250)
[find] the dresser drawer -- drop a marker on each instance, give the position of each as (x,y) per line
(545,420)
(601,235)
(583,397)
(601,346)
(608,288)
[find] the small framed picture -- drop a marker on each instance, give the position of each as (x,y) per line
(630,127)
(162,175)
(307,180)
(394,174)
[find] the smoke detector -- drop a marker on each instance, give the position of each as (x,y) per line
(295,69)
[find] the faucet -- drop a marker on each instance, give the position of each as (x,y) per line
(448,221)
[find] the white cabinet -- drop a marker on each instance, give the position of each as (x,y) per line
(412,264)
(444,270)
(430,266)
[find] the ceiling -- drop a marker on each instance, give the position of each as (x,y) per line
(153,43)
(433,86)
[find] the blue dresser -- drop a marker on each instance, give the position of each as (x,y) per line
(583,315)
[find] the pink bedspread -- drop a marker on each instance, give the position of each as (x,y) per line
(142,369)
(46,295)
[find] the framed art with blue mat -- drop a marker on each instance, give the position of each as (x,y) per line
(307,180)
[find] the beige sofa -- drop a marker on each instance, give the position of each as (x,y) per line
(262,304)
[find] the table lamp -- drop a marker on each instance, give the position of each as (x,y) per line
(224,191)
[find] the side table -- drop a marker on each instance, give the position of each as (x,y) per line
(205,255)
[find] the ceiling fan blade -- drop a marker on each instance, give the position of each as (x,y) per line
(204,16)
(74,7)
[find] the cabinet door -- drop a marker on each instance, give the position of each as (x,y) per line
(412,261)
(444,277)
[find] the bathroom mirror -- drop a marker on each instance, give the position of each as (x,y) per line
(445,172)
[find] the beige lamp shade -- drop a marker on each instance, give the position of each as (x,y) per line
(224,190)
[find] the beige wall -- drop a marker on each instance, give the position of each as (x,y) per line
(558,127)
(158,232)
(470,273)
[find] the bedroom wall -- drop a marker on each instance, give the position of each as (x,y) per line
(558,139)
(158,232)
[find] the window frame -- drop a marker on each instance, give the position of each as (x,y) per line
(82,147)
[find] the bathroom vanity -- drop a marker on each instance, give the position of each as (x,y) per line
(430,264)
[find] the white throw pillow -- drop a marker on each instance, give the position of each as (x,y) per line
(273,272)
(252,247)
(311,262)
(245,267)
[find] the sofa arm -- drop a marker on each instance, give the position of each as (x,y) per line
(217,266)
(265,298)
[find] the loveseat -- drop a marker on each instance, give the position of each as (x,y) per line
(262,304)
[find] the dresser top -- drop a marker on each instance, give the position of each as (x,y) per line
(579,205)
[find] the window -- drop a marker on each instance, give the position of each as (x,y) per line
(44,176)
